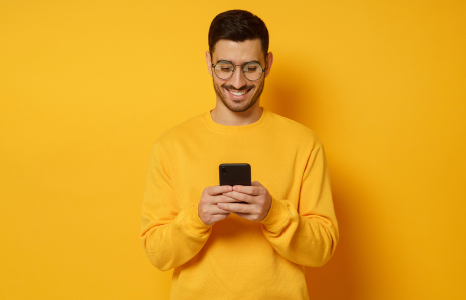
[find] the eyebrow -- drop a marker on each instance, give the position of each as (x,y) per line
(256,61)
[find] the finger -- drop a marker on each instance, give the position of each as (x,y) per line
(213,210)
(218,189)
(225,199)
(250,190)
(237,197)
(213,200)
(237,207)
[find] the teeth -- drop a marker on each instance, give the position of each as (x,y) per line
(237,94)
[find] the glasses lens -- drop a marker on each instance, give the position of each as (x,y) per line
(223,69)
(252,71)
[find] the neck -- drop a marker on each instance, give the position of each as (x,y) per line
(224,116)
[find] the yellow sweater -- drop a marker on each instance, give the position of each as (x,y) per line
(236,258)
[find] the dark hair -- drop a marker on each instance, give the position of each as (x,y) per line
(238,26)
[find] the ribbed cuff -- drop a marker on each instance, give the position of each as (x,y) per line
(194,224)
(278,214)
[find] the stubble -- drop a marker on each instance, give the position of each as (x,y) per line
(239,108)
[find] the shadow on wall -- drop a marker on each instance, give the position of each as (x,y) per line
(338,279)
(285,93)
(291,90)
(294,94)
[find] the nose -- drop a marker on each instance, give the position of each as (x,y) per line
(237,79)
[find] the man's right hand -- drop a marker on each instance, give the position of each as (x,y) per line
(207,209)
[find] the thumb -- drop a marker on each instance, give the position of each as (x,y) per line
(256,183)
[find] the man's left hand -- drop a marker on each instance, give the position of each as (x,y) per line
(256,196)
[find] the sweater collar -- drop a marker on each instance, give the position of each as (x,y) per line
(225,129)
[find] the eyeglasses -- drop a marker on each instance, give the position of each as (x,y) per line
(251,70)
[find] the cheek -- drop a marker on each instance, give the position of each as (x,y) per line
(218,82)
(257,86)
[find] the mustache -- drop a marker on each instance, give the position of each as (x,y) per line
(243,88)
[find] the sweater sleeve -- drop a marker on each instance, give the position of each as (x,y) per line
(308,235)
(170,236)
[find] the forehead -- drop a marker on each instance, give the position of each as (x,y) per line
(238,52)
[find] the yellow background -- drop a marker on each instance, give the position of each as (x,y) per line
(87,86)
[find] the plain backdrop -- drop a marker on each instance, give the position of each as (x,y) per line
(86,87)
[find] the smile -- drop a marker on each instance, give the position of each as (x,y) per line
(238,93)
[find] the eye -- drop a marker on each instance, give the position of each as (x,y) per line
(224,67)
(252,68)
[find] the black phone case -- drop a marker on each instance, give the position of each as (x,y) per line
(235,174)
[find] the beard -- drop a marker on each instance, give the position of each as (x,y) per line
(245,106)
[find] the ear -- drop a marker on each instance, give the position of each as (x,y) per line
(269,63)
(209,62)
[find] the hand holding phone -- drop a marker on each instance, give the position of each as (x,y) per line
(207,209)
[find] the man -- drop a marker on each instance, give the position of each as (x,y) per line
(219,248)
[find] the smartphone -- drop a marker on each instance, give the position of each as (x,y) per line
(235,174)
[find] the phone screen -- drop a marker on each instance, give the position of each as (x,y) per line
(235,174)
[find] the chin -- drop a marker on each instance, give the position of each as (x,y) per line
(238,107)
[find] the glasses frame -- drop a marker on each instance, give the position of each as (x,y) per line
(242,69)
